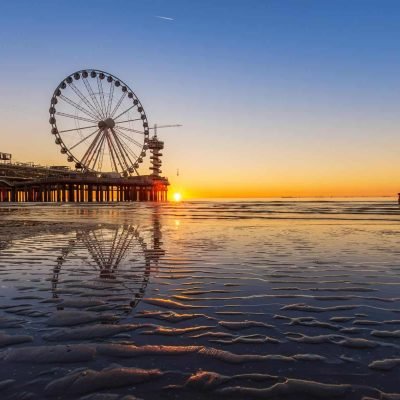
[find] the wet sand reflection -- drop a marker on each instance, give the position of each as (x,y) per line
(161,305)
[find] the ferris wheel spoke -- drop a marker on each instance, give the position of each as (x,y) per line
(117,152)
(124,154)
(111,148)
(84,160)
(77,106)
(116,157)
(84,99)
(102,152)
(93,96)
(128,162)
(118,104)
(96,152)
(90,148)
(128,109)
(131,152)
(128,120)
(130,130)
(129,138)
(84,139)
(123,138)
(99,151)
(128,149)
(77,129)
(75,117)
(110,99)
(102,100)
(99,155)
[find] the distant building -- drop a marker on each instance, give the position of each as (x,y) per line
(5,157)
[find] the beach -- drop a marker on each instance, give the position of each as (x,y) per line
(275,298)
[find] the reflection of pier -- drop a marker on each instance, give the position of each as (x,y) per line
(106,250)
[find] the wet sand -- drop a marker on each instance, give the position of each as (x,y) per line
(200,300)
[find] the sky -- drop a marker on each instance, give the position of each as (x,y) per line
(276,97)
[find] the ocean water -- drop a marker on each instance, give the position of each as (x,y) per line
(278,298)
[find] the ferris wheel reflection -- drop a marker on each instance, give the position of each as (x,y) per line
(110,263)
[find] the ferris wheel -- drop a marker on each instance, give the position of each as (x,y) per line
(99,123)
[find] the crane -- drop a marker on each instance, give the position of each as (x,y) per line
(164,126)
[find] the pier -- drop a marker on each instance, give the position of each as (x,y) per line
(82,189)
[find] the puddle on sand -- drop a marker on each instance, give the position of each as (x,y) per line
(149,301)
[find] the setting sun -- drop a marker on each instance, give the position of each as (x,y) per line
(177,197)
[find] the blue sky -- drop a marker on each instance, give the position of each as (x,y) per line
(304,92)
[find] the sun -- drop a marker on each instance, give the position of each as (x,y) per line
(177,197)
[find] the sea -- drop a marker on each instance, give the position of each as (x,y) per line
(236,298)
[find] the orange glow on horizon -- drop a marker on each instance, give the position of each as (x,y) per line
(326,189)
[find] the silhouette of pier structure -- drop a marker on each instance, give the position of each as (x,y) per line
(20,183)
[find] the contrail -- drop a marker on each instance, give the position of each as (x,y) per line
(167,18)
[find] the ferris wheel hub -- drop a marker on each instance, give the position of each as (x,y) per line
(107,123)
